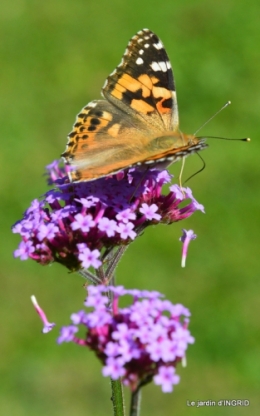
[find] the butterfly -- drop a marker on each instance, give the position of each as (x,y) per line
(136,123)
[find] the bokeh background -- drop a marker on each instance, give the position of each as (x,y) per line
(55,56)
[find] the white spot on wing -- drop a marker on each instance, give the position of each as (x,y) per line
(141,52)
(113,72)
(155,66)
(92,104)
(163,66)
(146,45)
(158,45)
(139,61)
(159,66)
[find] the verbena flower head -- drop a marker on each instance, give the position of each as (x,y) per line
(138,343)
(79,224)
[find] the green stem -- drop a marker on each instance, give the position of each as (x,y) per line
(117,398)
(135,402)
(114,261)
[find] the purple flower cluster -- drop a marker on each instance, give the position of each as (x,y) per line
(138,343)
(76,224)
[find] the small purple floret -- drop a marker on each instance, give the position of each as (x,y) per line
(150,212)
(166,378)
(126,230)
(67,334)
(89,258)
(24,250)
(83,223)
(186,238)
(47,326)
(108,226)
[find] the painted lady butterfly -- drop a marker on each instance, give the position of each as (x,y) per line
(138,121)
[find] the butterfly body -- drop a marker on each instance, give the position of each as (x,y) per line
(136,123)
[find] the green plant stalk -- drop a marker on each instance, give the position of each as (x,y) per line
(117,398)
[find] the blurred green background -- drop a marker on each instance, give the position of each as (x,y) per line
(55,56)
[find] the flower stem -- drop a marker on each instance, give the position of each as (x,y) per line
(135,403)
(117,398)
(113,262)
(89,276)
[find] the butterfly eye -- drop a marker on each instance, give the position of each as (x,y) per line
(191,140)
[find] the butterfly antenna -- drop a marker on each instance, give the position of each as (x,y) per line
(244,139)
(182,169)
(200,170)
(180,174)
(214,115)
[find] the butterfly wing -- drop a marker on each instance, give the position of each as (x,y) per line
(143,83)
(104,141)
